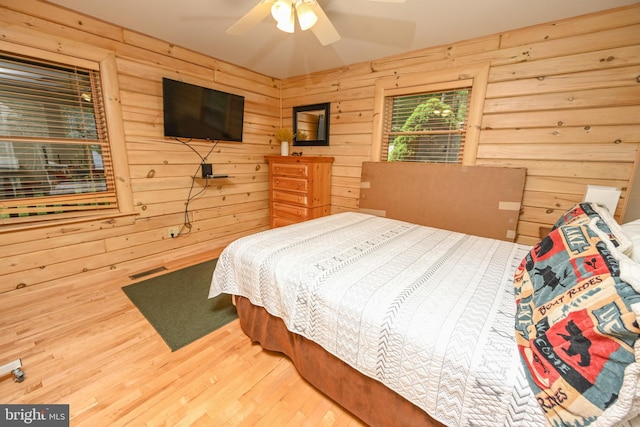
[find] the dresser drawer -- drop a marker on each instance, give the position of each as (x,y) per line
(290,211)
(288,169)
(288,197)
(282,214)
(290,184)
(278,221)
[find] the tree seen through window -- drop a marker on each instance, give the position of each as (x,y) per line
(428,127)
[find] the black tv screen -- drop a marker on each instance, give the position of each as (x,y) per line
(198,112)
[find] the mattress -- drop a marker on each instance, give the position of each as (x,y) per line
(427,312)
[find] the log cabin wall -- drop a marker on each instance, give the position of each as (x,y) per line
(563,101)
(160,169)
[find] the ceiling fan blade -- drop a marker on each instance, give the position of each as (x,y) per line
(251,18)
(324,29)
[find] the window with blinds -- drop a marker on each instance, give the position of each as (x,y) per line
(426,127)
(54,150)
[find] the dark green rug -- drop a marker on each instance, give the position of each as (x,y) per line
(177,305)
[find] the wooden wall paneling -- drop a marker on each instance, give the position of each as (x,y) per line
(566,177)
(442,57)
(149,207)
(42,254)
(29,28)
(526,231)
(147,67)
(48,12)
(601,97)
(348,147)
(593,60)
(121,263)
(52,235)
(46,18)
(352,139)
(539,216)
(210,220)
(574,117)
(50,264)
(141,61)
(610,152)
(207,226)
(560,201)
(573,77)
(240,199)
(560,99)
(343,191)
(528,94)
(591,23)
(51,255)
(589,44)
(574,101)
(631,203)
(329,94)
(558,135)
(567,168)
(344,203)
(569,185)
(592,79)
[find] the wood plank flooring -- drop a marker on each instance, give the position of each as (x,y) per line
(86,345)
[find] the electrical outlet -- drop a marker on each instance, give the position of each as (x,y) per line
(173,232)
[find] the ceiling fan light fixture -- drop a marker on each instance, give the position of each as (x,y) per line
(282,10)
(287,25)
(306,16)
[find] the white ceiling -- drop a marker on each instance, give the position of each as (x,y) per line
(369,29)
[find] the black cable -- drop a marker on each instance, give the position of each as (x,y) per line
(187,222)
(202,159)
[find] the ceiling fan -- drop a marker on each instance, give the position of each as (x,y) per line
(310,16)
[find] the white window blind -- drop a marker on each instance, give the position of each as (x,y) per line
(426,127)
(54,150)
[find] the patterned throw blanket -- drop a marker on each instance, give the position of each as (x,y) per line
(578,299)
(427,312)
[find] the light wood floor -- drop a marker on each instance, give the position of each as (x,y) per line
(86,345)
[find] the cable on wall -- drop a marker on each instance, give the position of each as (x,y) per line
(187,221)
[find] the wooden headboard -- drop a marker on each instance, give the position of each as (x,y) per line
(479,200)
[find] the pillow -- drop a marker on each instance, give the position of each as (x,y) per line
(632,230)
(577,325)
(586,212)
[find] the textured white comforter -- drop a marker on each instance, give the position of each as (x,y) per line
(427,312)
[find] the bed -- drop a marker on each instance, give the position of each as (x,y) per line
(405,324)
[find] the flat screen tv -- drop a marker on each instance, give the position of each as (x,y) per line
(198,112)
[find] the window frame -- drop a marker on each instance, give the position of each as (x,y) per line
(474,76)
(103,61)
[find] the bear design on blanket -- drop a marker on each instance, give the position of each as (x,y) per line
(579,344)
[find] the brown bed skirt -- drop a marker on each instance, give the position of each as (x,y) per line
(366,398)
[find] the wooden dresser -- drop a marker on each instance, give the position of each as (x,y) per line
(300,188)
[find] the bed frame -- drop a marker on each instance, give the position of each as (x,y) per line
(364,397)
(422,194)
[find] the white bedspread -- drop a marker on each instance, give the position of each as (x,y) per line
(427,312)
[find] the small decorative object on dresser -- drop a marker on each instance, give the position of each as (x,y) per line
(300,188)
(285,136)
